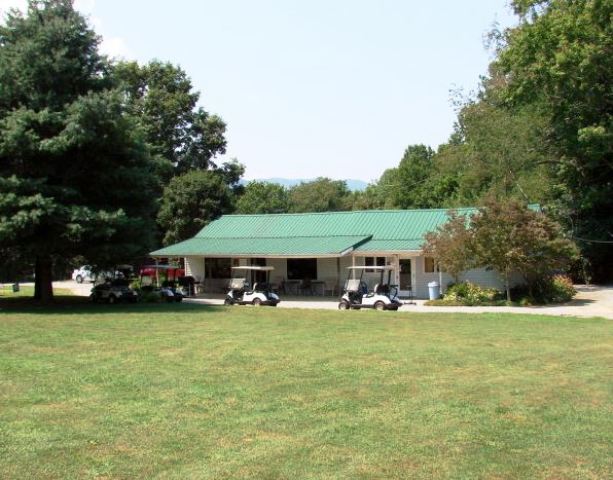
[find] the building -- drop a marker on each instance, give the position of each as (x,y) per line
(315,249)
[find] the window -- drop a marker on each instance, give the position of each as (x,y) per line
(302,268)
(374,261)
(430,265)
(218,267)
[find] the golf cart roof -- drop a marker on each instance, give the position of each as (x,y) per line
(372,267)
(254,267)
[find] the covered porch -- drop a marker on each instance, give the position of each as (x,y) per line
(317,276)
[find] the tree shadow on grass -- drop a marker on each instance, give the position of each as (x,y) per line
(71,305)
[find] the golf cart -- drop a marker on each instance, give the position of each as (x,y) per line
(239,292)
(383,296)
(167,289)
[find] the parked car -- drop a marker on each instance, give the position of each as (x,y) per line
(84,274)
(87,273)
(114,292)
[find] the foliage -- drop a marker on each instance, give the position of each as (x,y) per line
(150,296)
(509,237)
(263,197)
(505,236)
(451,245)
(500,153)
(191,201)
(561,289)
(560,56)
(76,176)
(470,294)
(321,195)
(161,96)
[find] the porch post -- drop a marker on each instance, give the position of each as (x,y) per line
(396,264)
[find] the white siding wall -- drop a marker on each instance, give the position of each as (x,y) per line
(345,262)
(326,268)
(194,266)
(479,276)
(490,278)
(280,272)
(422,278)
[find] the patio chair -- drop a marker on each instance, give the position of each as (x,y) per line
(331,286)
(305,287)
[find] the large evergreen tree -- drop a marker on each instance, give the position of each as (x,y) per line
(76,176)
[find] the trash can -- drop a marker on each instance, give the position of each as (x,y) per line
(434,290)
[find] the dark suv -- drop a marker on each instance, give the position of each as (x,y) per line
(114,292)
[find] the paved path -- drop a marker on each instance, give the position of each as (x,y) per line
(591,301)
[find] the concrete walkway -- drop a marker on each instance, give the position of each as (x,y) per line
(591,301)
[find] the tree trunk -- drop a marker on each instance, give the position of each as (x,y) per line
(507,285)
(43,282)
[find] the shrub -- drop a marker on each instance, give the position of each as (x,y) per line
(467,293)
(560,289)
(149,296)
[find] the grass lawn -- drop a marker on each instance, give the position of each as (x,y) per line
(184,391)
(6,292)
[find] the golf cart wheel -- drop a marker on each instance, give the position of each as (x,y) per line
(257,302)
(380,306)
(178,299)
(227,301)
(343,306)
(112,299)
(79,279)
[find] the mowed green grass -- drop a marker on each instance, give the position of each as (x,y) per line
(6,292)
(183,391)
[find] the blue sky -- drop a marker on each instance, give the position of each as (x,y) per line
(313,88)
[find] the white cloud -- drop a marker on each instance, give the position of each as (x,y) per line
(85,6)
(5,5)
(114,47)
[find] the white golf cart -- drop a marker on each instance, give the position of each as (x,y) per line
(240,293)
(383,296)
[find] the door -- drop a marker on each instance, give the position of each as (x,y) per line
(406,276)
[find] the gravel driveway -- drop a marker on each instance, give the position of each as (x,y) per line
(591,301)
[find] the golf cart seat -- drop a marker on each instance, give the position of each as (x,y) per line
(381,289)
(353,285)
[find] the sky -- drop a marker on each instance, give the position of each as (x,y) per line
(335,88)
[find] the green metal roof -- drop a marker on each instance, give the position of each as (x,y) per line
(301,234)
(265,246)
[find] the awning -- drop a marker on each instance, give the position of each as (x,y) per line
(332,246)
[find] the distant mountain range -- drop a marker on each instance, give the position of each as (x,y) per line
(352,184)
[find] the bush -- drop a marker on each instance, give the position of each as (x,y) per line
(149,296)
(553,289)
(467,293)
(560,289)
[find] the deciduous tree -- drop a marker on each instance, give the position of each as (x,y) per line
(191,201)
(451,245)
(321,195)
(263,197)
